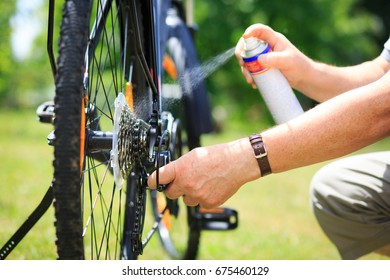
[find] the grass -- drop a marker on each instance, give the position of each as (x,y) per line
(275,219)
(26,173)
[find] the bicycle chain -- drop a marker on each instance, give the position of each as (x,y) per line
(132,148)
(136,235)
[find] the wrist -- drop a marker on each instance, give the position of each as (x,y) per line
(241,155)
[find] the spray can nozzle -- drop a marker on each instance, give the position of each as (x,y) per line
(252,43)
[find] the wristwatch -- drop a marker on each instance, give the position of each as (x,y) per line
(260,153)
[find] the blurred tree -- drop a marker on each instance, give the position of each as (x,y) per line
(381,9)
(6,59)
(337,32)
(30,80)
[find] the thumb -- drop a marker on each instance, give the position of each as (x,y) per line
(167,174)
(271,60)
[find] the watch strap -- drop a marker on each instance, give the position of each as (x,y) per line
(260,153)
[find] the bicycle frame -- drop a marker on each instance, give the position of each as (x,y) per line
(148,51)
(150,61)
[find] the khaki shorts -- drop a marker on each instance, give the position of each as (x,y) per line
(351,201)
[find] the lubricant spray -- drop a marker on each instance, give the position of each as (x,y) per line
(273,86)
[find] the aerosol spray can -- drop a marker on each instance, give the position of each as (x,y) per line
(273,86)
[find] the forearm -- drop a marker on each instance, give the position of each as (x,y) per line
(322,81)
(335,128)
(210,175)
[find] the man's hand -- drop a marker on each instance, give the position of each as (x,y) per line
(284,56)
(209,176)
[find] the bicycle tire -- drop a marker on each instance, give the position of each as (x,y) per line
(67,123)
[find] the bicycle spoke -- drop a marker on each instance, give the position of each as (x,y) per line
(110,227)
(154,227)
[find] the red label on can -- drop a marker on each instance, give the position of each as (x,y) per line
(253,65)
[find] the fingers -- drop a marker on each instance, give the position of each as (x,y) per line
(174,191)
(245,72)
(189,201)
(167,174)
(262,32)
(248,77)
(270,60)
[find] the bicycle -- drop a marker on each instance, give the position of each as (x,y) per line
(120,65)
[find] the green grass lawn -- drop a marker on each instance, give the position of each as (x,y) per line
(275,219)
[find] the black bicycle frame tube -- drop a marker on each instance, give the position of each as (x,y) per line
(50,29)
(152,70)
(155,47)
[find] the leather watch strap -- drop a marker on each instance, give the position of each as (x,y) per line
(260,153)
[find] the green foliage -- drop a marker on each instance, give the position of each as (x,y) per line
(6,61)
(380,8)
(27,81)
(337,32)
(35,80)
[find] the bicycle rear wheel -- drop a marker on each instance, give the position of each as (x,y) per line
(93,68)
(96,218)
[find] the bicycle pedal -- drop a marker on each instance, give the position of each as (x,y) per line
(218,219)
(45,112)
